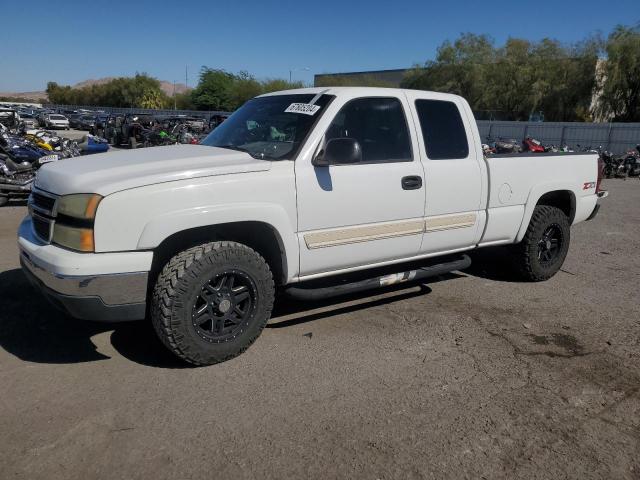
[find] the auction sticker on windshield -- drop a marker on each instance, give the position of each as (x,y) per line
(304,108)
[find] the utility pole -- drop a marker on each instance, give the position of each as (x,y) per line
(186,78)
(174,95)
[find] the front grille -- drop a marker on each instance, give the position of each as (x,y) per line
(42,227)
(43,202)
(42,207)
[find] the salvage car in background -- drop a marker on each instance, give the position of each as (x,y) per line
(86,122)
(56,120)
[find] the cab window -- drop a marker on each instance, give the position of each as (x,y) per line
(378,124)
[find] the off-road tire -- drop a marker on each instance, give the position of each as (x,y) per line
(178,286)
(526,259)
(4,199)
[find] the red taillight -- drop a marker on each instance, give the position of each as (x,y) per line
(600,174)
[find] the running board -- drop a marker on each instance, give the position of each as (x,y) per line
(318,293)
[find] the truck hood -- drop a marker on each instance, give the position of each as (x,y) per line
(111,172)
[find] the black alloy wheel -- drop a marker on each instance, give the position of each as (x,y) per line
(550,245)
(210,302)
(224,307)
(541,253)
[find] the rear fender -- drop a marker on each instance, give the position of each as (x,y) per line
(534,197)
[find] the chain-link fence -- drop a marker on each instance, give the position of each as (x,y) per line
(614,137)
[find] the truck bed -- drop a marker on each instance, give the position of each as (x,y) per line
(517,181)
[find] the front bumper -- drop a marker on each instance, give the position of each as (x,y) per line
(82,307)
(88,286)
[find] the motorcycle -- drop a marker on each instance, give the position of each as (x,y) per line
(532,145)
(63,146)
(504,145)
(155,138)
(15,179)
(609,163)
(20,151)
(507,146)
(619,170)
(631,162)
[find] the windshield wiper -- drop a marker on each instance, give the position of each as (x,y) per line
(232,147)
(257,156)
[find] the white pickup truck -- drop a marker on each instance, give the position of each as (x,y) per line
(311,191)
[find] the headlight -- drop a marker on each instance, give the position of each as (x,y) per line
(74,223)
(81,205)
(75,238)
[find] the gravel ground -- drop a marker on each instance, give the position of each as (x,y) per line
(468,376)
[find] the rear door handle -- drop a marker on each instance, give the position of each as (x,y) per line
(412,182)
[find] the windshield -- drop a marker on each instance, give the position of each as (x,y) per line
(264,129)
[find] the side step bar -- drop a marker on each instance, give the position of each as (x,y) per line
(318,293)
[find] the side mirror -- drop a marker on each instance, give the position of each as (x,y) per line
(339,151)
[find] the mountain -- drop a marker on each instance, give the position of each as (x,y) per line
(167,87)
(41,96)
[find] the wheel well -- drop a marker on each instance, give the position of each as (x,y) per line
(565,200)
(259,236)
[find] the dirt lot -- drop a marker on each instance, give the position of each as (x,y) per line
(471,376)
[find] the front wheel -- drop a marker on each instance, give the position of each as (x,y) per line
(211,302)
(545,244)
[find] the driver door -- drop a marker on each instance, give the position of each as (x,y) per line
(364,213)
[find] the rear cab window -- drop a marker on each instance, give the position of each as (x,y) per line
(443,131)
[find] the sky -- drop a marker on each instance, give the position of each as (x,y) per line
(71,41)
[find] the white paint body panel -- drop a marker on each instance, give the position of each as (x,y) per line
(344,196)
(141,218)
(453,187)
(106,173)
(64,262)
(530,177)
(150,194)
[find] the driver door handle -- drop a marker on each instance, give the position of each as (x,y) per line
(412,182)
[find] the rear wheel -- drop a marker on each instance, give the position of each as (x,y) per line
(212,301)
(545,245)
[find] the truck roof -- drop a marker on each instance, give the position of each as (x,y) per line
(363,91)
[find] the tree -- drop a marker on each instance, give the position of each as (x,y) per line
(277,84)
(214,90)
(183,101)
(352,81)
(620,76)
(138,91)
(244,88)
(58,94)
(515,80)
(460,67)
(221,90)
(152,99)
